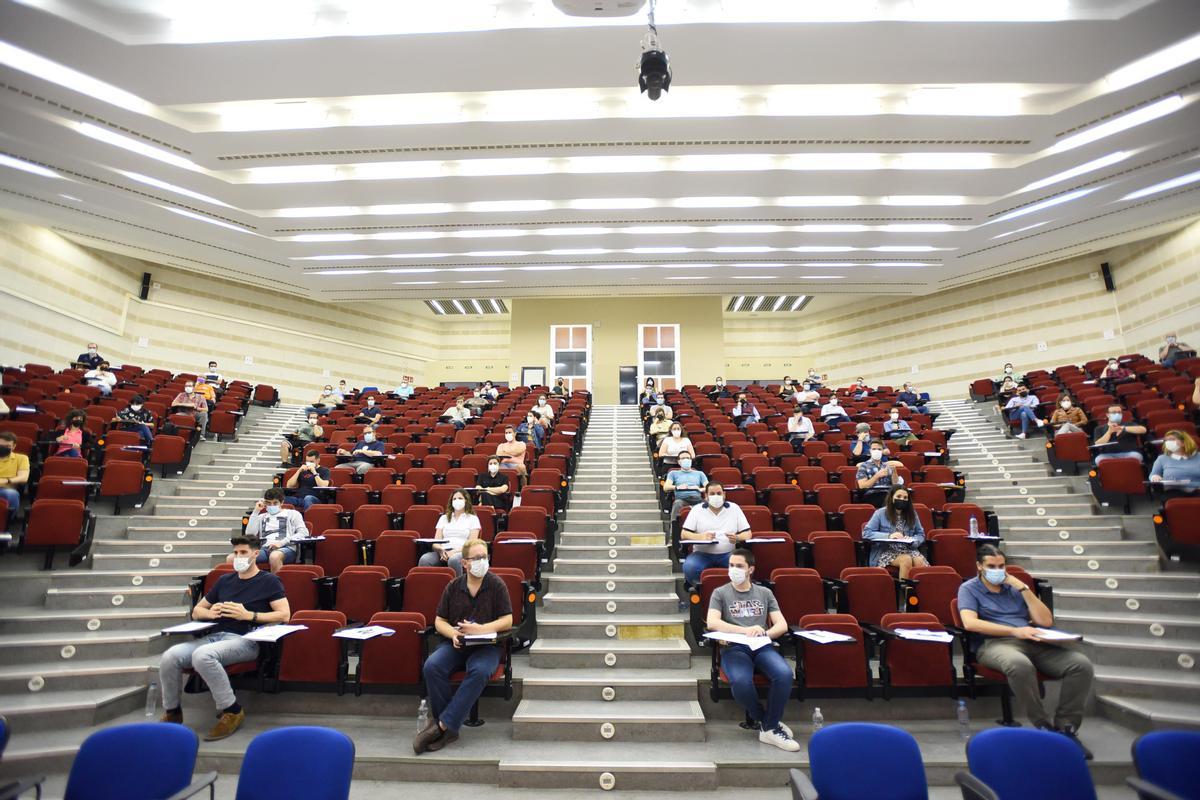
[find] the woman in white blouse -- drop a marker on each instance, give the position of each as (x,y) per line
(673,444)
(456,526)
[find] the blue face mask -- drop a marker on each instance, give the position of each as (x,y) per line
(273,510)
(1115,418)
(995,576)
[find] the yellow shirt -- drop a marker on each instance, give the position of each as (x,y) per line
(208,392)
(13,465)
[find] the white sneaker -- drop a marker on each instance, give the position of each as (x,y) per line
(1041,423)
(782,726)
(1020,436)
(779,739)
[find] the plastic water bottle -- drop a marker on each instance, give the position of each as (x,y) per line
(422,715)
(974,526)
(964,721)
(151,699)
(818,720)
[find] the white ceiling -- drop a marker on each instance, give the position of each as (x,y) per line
(460,148)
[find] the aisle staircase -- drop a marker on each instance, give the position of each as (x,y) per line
(78,646)
(1141,622)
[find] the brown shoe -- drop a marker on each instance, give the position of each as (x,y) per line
(175,716)
(447,737)
(427,736)
(226,726)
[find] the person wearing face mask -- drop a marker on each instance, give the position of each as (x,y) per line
(276,529)
(458,414)
(476,603)
(1007,374)
(675,446)
(135,417)
(1022,407)
(660,426)
(1174,350)
(101,377)
(205,390)
(69,442)
(719,390)
(876,475)
(341,392)
(806,396)
(456,526)
(859,390)
(896,429)
(686,483)
(371,413)
(833,414)
(1005,392)
(814,379)
(211,375)
(493,486)
(744,412)
(1114,439)
(1113,375)
(188,402)
(720,525)
(309,431)
(860,447)
(896,520)
(14,473)
(324,403)
(512,452)
(1178,468)
(304,482)
(660,407)
(532,431)
(238,602)
(90,359)
(749,609)
(648,395)
(404,390)
(559,389)
(544,409)
(1000,613)
(800,429)
(1067,417)
(490,391)
(365,451)
(910,398)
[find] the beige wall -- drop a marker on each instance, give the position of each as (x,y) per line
(472,348)
(614,334)
(1158,290)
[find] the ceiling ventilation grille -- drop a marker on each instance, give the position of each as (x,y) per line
(466,306)
(750,303)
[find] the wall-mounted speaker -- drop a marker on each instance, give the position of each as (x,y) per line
(145,286)
(1108,279)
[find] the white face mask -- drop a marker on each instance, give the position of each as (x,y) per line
(1008,370)
(92,351)
(894,417)
(685,463)
(1170,340)
(676,433)
(370,402)
(312,420)
(541,401)
(508,437)
(479,567)
(1115,419)
(876,455)
(189,389)
(493,469)
(737,576)
(716,500)
(1065,404)
(1171,445)
(136,408)
(458,504)
(242,563)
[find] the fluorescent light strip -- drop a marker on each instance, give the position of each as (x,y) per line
(193,215)
(1026,228)
(1157,63)
(134,146)
(53,72)
(491,254)
(687,278)
(26,166)
(1182,180)
(415,283)
(1091,166)
(1124,122)
(756,277)
(170,187)
(1053,201)
(821,277)
(458,306)
(471,282)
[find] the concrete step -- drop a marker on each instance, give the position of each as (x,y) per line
(1126,582)
(139,597)
(569,567)
(621,552)
(113,619)
(600,584)
(657,777)
(1142,602)
(1079,547)
(1013,536)
(105,579)
(1178,685)
(626,684)
(162,546)
(618,720)
(627,654)
(600,627)
(57,676)
(1144,714)
(33,648)
(1038,564)
(197,563)
(1142,651)
(654,524)
(608,539)
(58,709)
(646,603)
(1163,627)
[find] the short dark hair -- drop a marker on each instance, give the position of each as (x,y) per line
(746,553)
(988,550)
(493,458)
(274,493)
(136,400)
(8,436)
(717,484)
(312,453)
(250,541)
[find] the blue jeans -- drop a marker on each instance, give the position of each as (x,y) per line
(697,562)
(1025,415)
(143,431)
(303,503)
(451,707)
(13,498)
(1133,454)
(289,555)
(740,665)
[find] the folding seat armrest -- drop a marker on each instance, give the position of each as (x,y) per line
(939,517)
(196,589)
(207,780)
(277,480)
(368,551)
(862,552)
(973,788)
(835,589)
(804,553)
(993,522)
(802,787)
(947,432)
(326,591)
(393,590)
(1149,791)
(833,520)
(86,535)
(394,519)
(1045,592)
(344,518)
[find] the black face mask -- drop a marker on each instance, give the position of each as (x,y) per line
(5,450)
(900,505)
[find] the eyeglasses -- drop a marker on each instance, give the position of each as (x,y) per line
(467,560)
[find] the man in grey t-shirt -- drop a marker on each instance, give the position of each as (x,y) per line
(744,608)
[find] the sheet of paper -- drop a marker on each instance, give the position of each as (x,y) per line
(480,637)
(921,635)
(823,637)
(190,627)
(434,541)
(273,633)
(365,632)
(1051,635)
(764,539)
(309,539)
(753,642)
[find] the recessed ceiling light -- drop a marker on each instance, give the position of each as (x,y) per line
(342,272)
(1099,163)
(1026,228)
(193,215)
(415,283)
(907,248)
(134,146)
(1053,201)
(1182,180)
(47,70)
(821,277)
(820,200)
(686,278)
(1124,122)
(71,197)
(488,281)
(1157,63)
(900,264)
(26,166)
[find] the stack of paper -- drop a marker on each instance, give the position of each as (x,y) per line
(189,627)
(434,541)
(753,642)
(822,637)
(272,633)
(363,633)
(479,637)
(922,635)
(1051,635)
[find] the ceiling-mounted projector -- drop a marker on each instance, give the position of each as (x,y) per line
(599,8)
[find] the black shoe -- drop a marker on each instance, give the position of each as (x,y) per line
(1071,733)
(1045,725)
(447,737)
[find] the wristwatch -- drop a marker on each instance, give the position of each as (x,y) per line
(254,619)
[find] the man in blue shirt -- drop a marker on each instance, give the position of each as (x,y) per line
(370,413)
(686,483)
(909,398)
(365,449)
(404,390)
(1000,612)
(897,429)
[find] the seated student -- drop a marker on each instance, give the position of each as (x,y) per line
(544,409)
(207,392)
(718,390)
(302,485)
(686,483)
(14,472)
(648,395)
(1174,350)
(674,446)
(909,397)
(715,519)
(91,359)
(212,376)
(896,520)
(896,429)
(363,452)
(800,429)
(1115,439)
(458,413)
(472,604)
(745,412)
(512,451)
(404,390)
(660,405)
(1006,390)
(814,380)
(493,485)
(309,431)
(1000,612)
(101,377)
(1008,375)
(456,526)
(559,389)
(135,417)
(69,441)
(860,446)
(749,609)
(1023,407)
(806,396)
(660,426)
(1114,374)
(325,401)
(859,389)
(341,392)
(276,529)
(532,431)
(1068,417)
(239,601)
(876,475)
(370,414)
(1178,463)
(787,387)
(832,413)
(188,402)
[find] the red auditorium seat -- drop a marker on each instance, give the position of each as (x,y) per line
(57,523)
(361,591)
(393,660)
(314,656)
(799,592)
(909,665)
(298,585)
(840,669)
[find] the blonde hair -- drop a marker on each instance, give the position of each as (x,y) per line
(1187,444)
(466,548)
